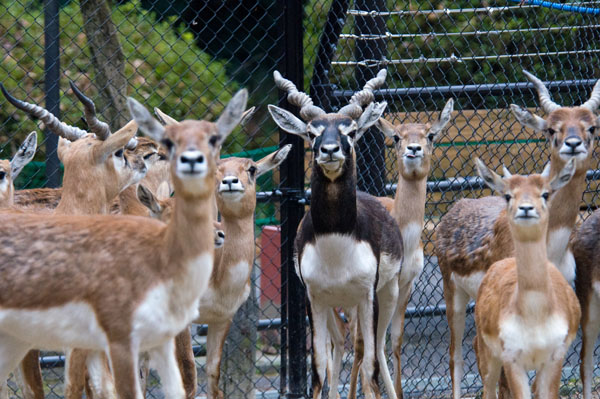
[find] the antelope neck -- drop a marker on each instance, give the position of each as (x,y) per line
(409,202)
(234,251)
(564,206)
(333,204)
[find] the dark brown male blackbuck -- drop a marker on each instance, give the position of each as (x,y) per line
(348,249)
(474,233)
(117,284)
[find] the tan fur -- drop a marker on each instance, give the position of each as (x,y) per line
(90,242)
(503,296)
(227,288)
(474,233)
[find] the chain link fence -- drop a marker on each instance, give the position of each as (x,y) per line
(188,58)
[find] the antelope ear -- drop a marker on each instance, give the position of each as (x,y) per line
(386,127)
(438,126)
(116,141)
(148,125)
(528,119)
(491,179)
(564,176)
(164,118)
(24,155)
(163,191)
(273,160)
(231,117)
(288,122)
(369,117)
(148,199)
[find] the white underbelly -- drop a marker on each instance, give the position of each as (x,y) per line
(67,326)
(338,270)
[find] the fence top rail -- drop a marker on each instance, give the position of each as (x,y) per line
(447,11)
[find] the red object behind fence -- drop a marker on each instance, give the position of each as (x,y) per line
(270,262)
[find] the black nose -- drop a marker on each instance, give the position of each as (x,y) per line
(573,142)
(526,208)
(330,149)
(192,159)
(414,148)
(230,180)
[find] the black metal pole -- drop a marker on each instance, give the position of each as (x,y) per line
(293,331)
(370,160)
(52,86)
(320,87)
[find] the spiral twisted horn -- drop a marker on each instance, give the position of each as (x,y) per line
(545,101)
(96,126)
(308,111)
(594,101)
(59,128)
(364,97)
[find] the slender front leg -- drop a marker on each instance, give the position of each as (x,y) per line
(215,339)
(359,351)
(367,315)
(100,384)
(547,379)
(489,367)
(29,376)
(456,303)
(162,359)
(590,327)
(318,321)
(387,298)
(517,379)
(336,328)
(187,363)
(124,364)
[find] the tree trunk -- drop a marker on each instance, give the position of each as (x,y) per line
(108,61)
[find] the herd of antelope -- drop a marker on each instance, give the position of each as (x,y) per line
(150,234)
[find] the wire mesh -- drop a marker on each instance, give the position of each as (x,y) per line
(188,58)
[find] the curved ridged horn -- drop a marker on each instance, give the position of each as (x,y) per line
(594,101)
(308,111)
(545,101)
(96,126)
(131,144)
(57,127)
(164,118)
(363,97)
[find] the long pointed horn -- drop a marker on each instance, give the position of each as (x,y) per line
(364,97)
(308,111)
(57,127)
(96,126)
(594,101)
(545,101)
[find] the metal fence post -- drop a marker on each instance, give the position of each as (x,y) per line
(293,330)
(52,86)
(370,161)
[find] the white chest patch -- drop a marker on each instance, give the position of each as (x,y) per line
(530,343)
(338,270)
(70,325)
(559,253)
(413,252)
(470,284)
(170,306)
(220,304)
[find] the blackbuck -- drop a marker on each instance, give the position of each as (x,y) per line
(118,284)
(229,285)
(94,157)
(414,148)
(526,312)
(9,170)
(348,249)
(586,249)
(474,233)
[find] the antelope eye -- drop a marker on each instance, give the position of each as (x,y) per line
(551,131)
(545,196)
(507,197)
(168,144)
(119,153)
(252,170)
(431,136)
(2,175)
(396,139)
(147,156)
(592,129)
